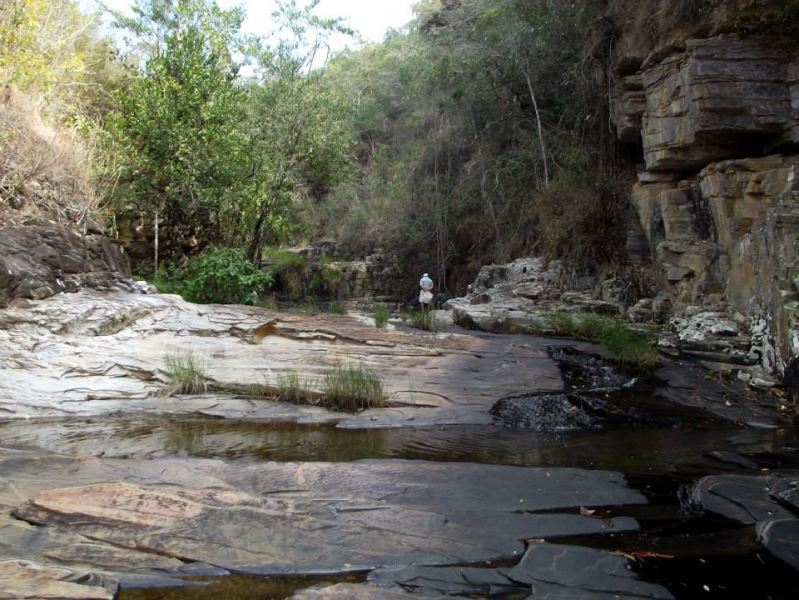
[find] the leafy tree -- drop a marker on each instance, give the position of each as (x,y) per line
(207,147)
(474,125)
(179,122)
(300,132)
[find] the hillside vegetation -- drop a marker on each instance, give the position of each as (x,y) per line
(475,134)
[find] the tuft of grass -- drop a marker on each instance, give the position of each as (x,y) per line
(187,375)
(561,323)
(628,346)
(423,318)
(353,388)
(291,389)
(338,308)
(380,314)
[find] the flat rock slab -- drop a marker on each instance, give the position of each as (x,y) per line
(355,591)
(546,571)
(24,580)
(787,491)
(275,518)
(781,539)
(93,353)
(741,498)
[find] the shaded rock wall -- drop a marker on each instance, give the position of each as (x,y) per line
(40,261)
(709,94)
(326,275)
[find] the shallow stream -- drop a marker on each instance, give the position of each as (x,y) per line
(693,555)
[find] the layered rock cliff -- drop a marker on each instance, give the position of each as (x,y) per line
(707,95)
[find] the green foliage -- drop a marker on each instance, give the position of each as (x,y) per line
(301,134)
(353,388)
(187,375)
(380,314)
(223,276)
(628,346)
(45,45)
(486,116)
(283,261)
(209,150)
(331,276)
(179,122)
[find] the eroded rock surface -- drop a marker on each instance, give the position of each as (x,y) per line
(708,106)
(351,591)
(20,580)
(40,261)
(517,298)
(702,101)
(781,539)
(94,353)
(742,498)
(139,517)
(546,571)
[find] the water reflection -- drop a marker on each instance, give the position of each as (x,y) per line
(639,450)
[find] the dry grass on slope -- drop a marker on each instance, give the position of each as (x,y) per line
(43,169)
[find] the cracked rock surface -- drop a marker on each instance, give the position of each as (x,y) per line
(134,518)
(91,353)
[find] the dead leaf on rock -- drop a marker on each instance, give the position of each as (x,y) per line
(262,331)
(587,512)
(639,554)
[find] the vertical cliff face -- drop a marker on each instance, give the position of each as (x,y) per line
(708,95)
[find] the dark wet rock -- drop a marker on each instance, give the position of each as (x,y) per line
(25,580)
(545,571)
(691,385)
(588,372)
(354,591)
(588,377)
(276,518)
(742,498)
(732,458)
(787,491)
(40,261)
(781,539)
(542,412)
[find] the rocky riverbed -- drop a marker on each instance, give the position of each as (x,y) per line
(109,487)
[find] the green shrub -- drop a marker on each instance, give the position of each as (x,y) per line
(353,388)
(380,314)
(224,276)
(187,375)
